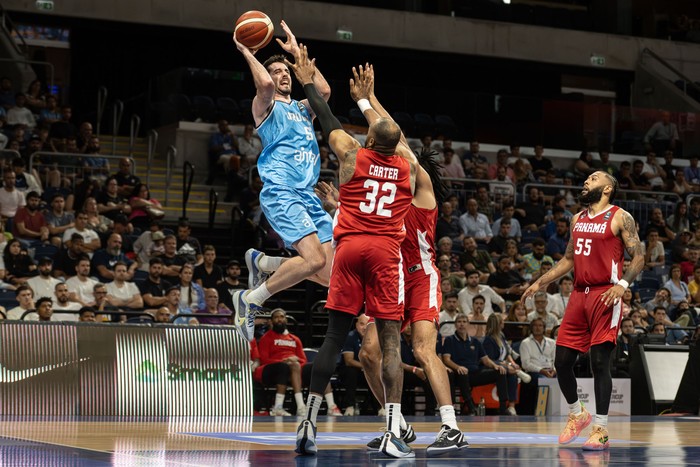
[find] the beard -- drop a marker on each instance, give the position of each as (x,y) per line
(592,196)
(279,328)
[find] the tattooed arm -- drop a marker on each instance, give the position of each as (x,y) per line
(563,266)
(624,223)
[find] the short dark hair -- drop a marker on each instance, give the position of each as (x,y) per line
(43,300)
(155,260)
(452,294)
(479,296)
(22,288)
(538,242)
(87,309)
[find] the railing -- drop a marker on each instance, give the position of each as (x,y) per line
(117,113)
(75,168)
(152,143)
(9,154)
(9,26)
(101,105)
(186,186)
(36,62)
(686,81)
(134,127)
(213,204)
(169,161)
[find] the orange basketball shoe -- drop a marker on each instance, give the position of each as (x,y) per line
(598,440)
(574,426)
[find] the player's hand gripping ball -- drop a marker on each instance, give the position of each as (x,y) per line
(254,29)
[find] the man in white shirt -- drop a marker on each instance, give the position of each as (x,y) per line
(25,296)
(536,359)
(19,114)
(450,309)
(11,199)
(558,301)
(550,321)
(121,293)
(653,171)
(81,286)
(63,303)
(91,241)
(475,224)
(44,284)
(472,289)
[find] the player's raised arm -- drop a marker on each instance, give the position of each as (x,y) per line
(562,267)
(264,85)
(290,46)
(627,231)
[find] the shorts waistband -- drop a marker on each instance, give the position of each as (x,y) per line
(591,287)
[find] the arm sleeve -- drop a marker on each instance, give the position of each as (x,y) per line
(328,121)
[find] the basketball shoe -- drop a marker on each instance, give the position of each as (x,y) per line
(408,435)
(598,440)
(448,439)
(575,425)
(256,276)
(306,438)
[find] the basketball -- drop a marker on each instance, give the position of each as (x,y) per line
(254,29)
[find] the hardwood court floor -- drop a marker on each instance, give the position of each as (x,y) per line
(494,441)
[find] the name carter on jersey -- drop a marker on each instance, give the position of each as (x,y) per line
(590,227)
(384,172)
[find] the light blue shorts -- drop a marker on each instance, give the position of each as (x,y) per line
(295,213)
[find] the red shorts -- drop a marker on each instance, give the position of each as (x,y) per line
(367,272)
(423,297)
(587,321)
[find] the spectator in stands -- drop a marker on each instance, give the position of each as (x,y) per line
(58,220)
(557,243)
(516,156)
(96,221)
(105,259)
(583,167)
(669,167)
(678,221)
(473,289)
(560,300)
(620,359)
(497,245)
(679,185)
(453,199)
(675,285)
(486,206)
(506,282)
(19,114)
(654,255)
(501,162)
(350,369)
(122,293)
(537,359)
(414,375)
(36,97)
(223,146)
(44,284)
(476,259)
(638,179)
(95,167)
(477,318)
(448,224)
(83,136)
(533,260)
(541,300)
(63,130)
(448,314)
(456,278)
(143,246)
(211,305)
(692,172)
(471,366)
(191,293)
(144,209)
(11,199)
(662,135)
(445,247)
(603,162)
(231,284)
(87,315)
(507,212)
(26,182)
(324,154)
(673,336)
(654,173)
(539,163)
(499,351)
(29,225)
(473,159)
(81,286)
(694,286)
(249,147)
(91,241)
(25,302)
(171,261)
(250,200)
(44,310)
(104,307)
(188,247)
(452,168)
(640,322)
(208,275)
(657,221)
(18,264)
(680,247)
(126,180)
(7,93)
(51,112)
(64,304)
(153,287)
(279,349)
(172,303)
(110,202)
(531,213)
(475,224)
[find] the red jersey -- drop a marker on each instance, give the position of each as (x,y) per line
(417,248)
(376,198)
(598,252)
(275,347)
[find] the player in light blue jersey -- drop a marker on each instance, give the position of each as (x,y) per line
(289,167)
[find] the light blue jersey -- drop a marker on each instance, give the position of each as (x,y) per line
(290,155)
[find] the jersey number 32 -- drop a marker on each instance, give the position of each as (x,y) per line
(388,192)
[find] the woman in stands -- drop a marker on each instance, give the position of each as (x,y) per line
(36,97)
(18,264)
(516,260)
(96,221)
(144,209)
(678,221)
(678,288)
(191,293)
(629,303)
(497,348)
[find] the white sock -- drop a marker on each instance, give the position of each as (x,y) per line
(447,414)
(279,400)
(329,400)
(403,423)
(601,420)
(313,403)
(269,263)
(575,408)
(259,295)
(393,418)
(299,398)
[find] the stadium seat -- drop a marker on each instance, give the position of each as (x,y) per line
(310,354)
(246,107)
(228,109)
(646,294)
(405,121)
(445,124)
(424,124)
(182,105)
(204,108)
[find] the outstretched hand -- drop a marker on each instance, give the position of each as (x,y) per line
(303,68)
(327,193)
(290,46)
(362,82)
